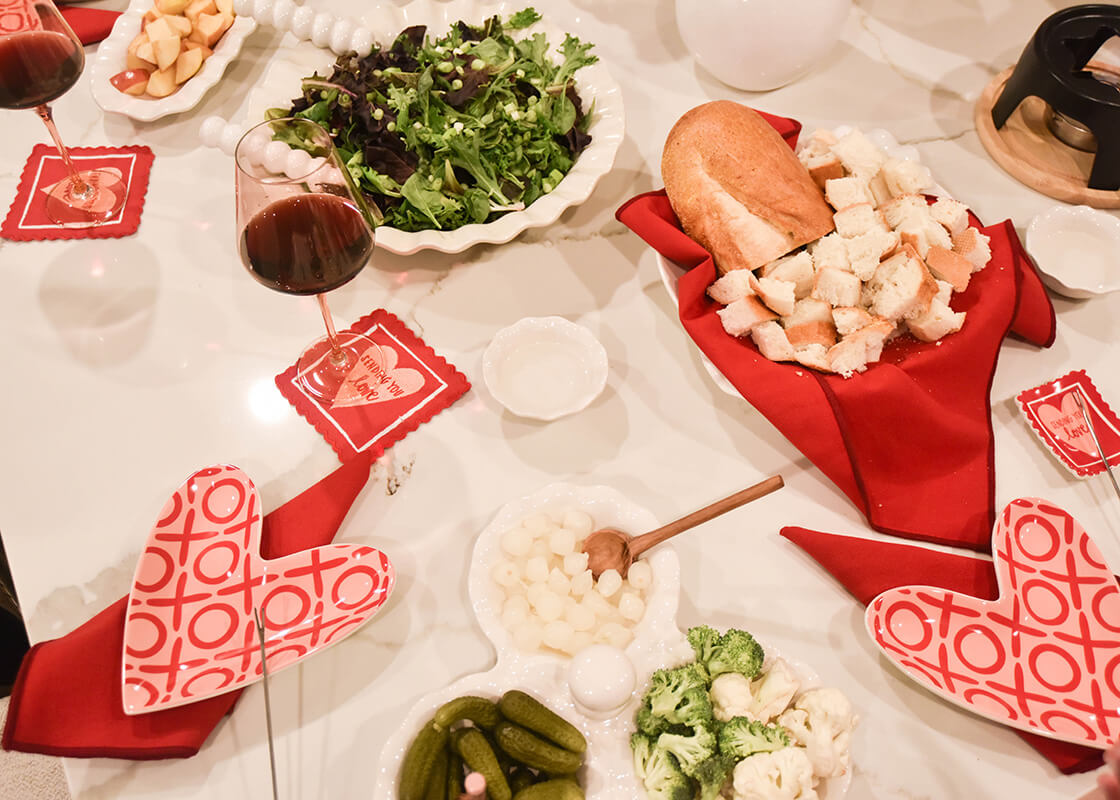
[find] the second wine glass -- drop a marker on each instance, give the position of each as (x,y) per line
(303,228)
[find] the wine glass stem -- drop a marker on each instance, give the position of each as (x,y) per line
(79,188)
(338,355)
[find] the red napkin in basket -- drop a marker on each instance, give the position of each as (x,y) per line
(866,567)
(90,24)
(67,696)
(910,440)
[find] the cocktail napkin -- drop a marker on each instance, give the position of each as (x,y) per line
(67,696)
(914,431)
(397,384)
(27,218)
(866,568)
(91,25)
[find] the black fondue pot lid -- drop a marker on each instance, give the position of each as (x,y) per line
(1069,38)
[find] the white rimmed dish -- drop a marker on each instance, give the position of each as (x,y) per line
(1077,250)
(110,59)
(544,367)
(597,88)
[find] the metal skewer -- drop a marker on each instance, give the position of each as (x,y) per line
(1096,441)
(267,703)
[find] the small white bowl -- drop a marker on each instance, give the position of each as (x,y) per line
(1077,249)
(544,367)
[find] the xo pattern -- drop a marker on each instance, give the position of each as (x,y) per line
(1044,657)
(190,631)
(18,15)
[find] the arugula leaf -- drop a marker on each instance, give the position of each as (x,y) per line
(523,19)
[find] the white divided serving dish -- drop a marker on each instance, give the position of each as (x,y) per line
(1076,249)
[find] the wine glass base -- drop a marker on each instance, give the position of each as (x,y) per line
(105,196)
(320,373)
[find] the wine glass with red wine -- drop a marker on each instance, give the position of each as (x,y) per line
(40,59)
(303,228)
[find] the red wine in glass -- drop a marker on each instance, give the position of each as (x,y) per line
(39,61)
(303,228)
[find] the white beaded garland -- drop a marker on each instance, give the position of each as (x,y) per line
(210,132)
(275,156)
(262,10)
(298,163)
(301,22)
(341,32)
(282,11)
(243,8)
(321,29)
(362,41)
(229,138)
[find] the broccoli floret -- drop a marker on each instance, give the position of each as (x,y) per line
(694,710)
(659,772)
(649,723)
(668,686)
(734,651)
(712,774)
(742,737)
(690,751)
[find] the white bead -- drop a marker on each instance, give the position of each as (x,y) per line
(262,10)
(362,41)
(340,36)
(298,163)
(559,583)
(231,135)
(282,11)
(210,132)
(517,541)
(275,156)
(536,570)
(300,23)
(243,8)
(578,522)
(562,541)
(575,563)
(609,582)
(321,29)
(630,605)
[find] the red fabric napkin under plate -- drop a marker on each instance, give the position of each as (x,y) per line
(90,24)
(866,568)
(910,440)
(67,696)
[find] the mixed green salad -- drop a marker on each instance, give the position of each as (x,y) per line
(440,133)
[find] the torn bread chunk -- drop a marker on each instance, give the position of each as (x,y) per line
(868,249)
(905,177)
(880,194)
(944,291)
(814,356)
(938,320)
(771,341)
(847,357)
(779,295)
(830,251)
(949,266)
(808,311)
(843,192)
(858,154)
(951,214)
(818,143)
(857,219)
(973,245)
(734,284)
(741,316)
(822,169)
(836,287)
(849,319)
(821,332)
(874,336)
(909,215)
(900,288)
(798,269)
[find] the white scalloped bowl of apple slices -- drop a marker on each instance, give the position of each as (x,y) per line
(164,55)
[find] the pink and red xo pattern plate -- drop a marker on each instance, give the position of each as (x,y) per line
(1043,657)
(190,632)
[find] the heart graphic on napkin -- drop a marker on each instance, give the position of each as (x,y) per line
(190,633)
(1044,657)
(376,379)
(1067,424)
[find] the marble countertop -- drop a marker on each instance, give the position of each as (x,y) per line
(132,362)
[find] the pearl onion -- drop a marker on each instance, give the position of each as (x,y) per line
(579,522)
(362,41)
(516,542)
(229,138)
(341,32)
(275,156)
(609,582)
(262,10)
(301,21)
(321,29)
(640,575)
(631,607)
(297,163)
(282,12)
(536,570)
(575,563)
(562,541)
(210,132)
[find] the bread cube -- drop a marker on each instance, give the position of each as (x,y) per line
(910,216)
(905,177)
(814,356)
(829,251)
(847,357)
(797,268)
(777,294)
(818,143)
(874,336)
(741,316)
(938,320)
(823,333)
(880,194)
(771,341)
(807,311)
(944,291)
(950,214)
(734,284)
(948,266)
(858,219)
(843,192)
(822,169)
(859,155)
(868,249)
(836,287)
(849,319)
(900,288)
(973,245)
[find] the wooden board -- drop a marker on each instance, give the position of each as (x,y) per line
(1031,154)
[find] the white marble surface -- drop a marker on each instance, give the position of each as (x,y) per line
(129,363)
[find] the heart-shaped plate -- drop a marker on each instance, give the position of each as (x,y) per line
(1044,657)
(190,631)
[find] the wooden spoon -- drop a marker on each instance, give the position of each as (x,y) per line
(607,548)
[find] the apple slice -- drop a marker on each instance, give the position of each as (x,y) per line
(225,6)
(146,56)
(132,60)
(166,51)
(131,81)
(210,27)
(206,51)
(150,16)
(200,7)
(162,82)
(179,24)
(172,6)
(160,28)
(188,64)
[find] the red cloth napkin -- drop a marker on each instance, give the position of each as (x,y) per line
(865,568)
(90,24)
(910,440)
(67,696)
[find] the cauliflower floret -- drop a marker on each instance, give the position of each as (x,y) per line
(731,696)
(821,721)
(784,774)
(771,692)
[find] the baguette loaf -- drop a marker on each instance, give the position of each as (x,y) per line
(737,187)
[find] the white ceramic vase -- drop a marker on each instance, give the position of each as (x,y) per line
(759,45)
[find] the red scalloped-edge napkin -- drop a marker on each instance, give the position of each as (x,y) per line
(1053,415)
(27,218)
(910,440)
(67,697)
(388,394)
(866,568)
